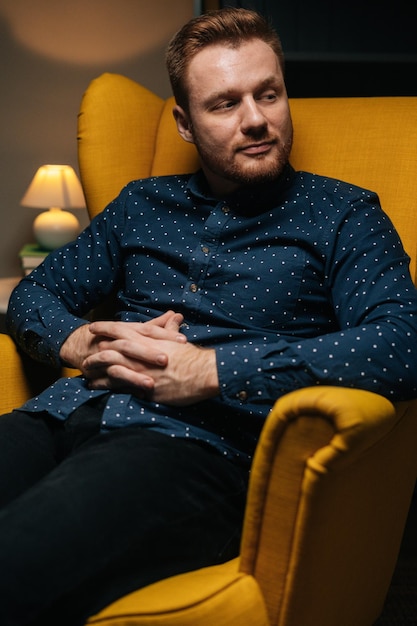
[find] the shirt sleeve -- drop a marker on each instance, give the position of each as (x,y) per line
(375,345)
(54,299)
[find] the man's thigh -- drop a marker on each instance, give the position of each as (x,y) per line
(124,509)
(27,453)
(33,444)
(135,486)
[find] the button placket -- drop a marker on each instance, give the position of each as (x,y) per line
(203,253)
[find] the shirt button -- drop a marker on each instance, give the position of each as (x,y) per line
(225,210)
(242,395)
(193,288)
(205,249)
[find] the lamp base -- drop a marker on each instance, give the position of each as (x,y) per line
(55,228)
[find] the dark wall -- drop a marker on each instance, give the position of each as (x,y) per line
(355,48)
(355,77)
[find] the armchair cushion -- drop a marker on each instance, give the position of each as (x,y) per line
(213,596)
(127,115)
(172,154)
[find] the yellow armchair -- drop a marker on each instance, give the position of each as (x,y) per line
(335,468)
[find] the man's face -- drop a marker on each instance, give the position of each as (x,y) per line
(238,115)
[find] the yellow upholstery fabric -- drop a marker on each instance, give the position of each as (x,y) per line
(216,596)
(20,377)
(334,469)
(15,386)
(118,123)
(332,460)
(172,154)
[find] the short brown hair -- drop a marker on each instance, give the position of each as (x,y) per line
(225,26)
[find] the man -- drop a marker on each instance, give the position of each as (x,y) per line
(235,285)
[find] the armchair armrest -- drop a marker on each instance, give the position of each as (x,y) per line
(331,485)
(21,377)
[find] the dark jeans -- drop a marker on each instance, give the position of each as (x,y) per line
(86,517)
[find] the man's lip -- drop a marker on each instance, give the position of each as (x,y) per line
(257,148)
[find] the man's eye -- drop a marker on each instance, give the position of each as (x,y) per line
(226,105)
(271,96)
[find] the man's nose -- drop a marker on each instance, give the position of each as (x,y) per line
(252,115)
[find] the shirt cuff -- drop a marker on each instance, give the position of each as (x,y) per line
(259,374)
(43,342)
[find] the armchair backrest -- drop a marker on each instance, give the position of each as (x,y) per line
(127,132)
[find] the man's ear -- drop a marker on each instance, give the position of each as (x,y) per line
(183,123)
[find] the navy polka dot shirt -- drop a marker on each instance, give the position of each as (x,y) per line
(299,282)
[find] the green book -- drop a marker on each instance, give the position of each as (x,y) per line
(31,255)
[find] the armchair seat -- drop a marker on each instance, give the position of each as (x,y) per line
(220,595)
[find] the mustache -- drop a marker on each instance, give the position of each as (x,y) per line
(258,140)
(258,134)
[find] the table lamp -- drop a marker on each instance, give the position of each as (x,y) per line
(55,187)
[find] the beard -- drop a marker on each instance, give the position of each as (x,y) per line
(251,170)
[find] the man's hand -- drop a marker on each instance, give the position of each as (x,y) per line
(150,360)
(189,374)
(85,340)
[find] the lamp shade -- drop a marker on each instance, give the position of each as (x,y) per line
(55,187)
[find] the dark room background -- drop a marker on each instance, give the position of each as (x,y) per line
(355,48)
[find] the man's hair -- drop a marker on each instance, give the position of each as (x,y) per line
(229,26)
